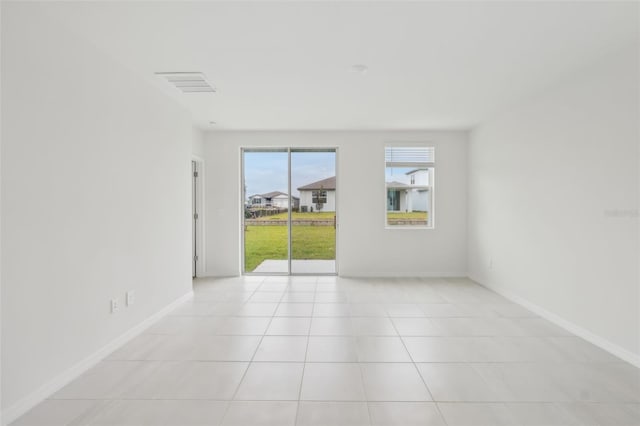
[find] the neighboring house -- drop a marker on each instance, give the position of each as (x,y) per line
(414,196)
(397,194)
(319,196)
(273,199)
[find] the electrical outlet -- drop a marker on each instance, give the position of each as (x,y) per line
(115,306)
(131,297)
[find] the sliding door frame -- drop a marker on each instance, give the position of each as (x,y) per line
(243,196)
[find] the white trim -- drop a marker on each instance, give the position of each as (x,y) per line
(243,197)
(289,214)
(66,377)
(569,326)
(395,274)
(336,215)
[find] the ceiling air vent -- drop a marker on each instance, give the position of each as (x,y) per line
(188,82)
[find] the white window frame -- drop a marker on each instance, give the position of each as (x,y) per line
(431,187)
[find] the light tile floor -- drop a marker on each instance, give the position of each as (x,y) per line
(332,351)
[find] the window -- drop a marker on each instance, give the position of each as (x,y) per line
(409,184)
(319,197)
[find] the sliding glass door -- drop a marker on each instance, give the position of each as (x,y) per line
(289,211)
(266,211)
(313,224)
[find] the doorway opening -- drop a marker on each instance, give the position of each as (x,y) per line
(289,214)
(194,218)
(197,215)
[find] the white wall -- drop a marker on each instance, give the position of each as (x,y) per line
(1,414)
(197,143)
(553,202)
(365,247)
(95,202)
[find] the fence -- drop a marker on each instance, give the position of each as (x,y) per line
(250,213)
(294,222)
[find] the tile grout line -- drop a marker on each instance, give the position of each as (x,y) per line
(444,401)
(226,411)
(306,351)
(419,374)
(364,389)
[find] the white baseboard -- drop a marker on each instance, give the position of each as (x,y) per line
(579,331)
(391,274)
(66,377)
(387,274)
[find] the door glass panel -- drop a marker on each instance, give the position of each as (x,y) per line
(313,220)
(266,211)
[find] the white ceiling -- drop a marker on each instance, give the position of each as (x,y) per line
(288,65)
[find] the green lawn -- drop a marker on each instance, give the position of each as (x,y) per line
(270,242)
(407,215)
(301,216)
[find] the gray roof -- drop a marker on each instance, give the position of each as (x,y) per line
(328,183)
(272,194)
(416,170)
(395,184)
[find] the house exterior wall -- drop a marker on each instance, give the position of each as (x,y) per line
(282,202)
(306,199)
(419,200)
(411,200)
(421,177)
(404,202)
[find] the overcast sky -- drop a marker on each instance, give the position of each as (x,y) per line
(267,171)
(398,174)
